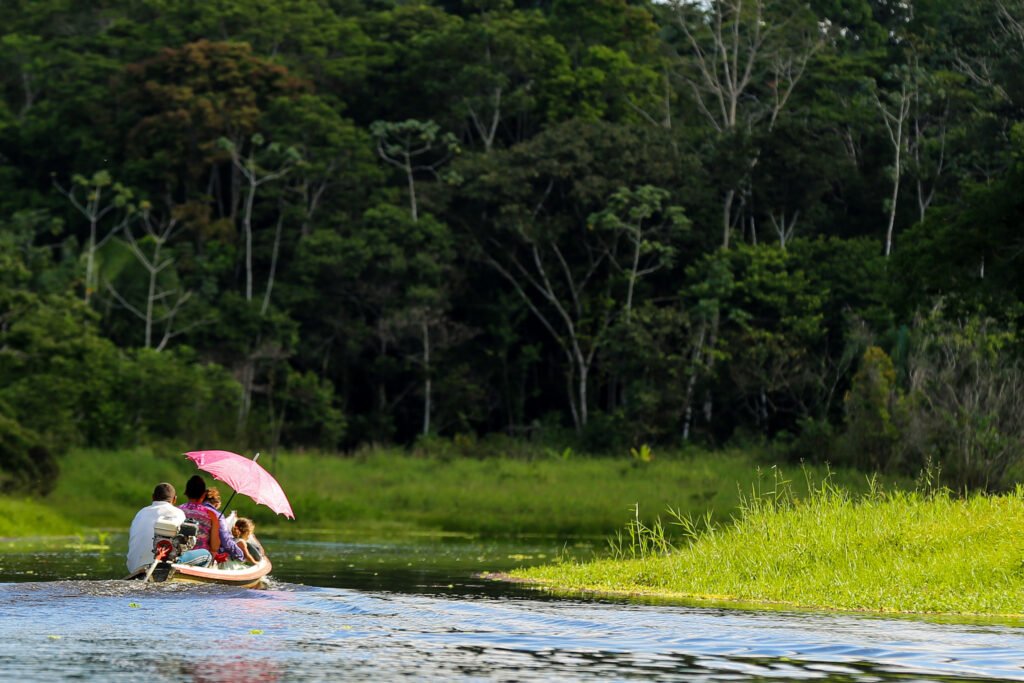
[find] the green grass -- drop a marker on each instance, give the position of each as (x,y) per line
(882,552)
(27,518)
(390,488)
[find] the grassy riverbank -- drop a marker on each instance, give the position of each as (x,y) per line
(385,489)
(21,518)
(892,552)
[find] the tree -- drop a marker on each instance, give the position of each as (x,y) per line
(182,102)
(540,196)
(771,328)
(369,292)
(263,163)
(741,61)
(95,208)
(895,112)
(500,73)
(164,295)
(650,230)
(414,147)
(339,168)
(871,438)
(965,401)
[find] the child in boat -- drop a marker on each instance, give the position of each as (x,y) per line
(243,533)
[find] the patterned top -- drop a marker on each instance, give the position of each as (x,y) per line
(201,515)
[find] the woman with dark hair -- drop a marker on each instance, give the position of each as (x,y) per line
(227,541)
(208,533)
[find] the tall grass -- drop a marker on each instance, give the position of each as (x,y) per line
(898,551)
(390,489)
(27,518)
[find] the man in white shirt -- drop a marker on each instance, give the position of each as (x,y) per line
(140,538)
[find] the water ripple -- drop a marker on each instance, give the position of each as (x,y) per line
(116,630)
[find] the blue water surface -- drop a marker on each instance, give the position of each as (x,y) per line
(422,621)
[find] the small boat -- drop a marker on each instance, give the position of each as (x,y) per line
(248,576)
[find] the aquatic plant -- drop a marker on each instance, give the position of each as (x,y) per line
(640,540)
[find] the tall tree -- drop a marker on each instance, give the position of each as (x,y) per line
(94,207)
(740,61)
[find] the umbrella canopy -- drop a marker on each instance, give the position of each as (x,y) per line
(245,476)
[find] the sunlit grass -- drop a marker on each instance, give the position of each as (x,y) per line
(888,552)
(392,489)
(26,517)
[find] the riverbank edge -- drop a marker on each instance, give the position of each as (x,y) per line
(731,602)
(914,553)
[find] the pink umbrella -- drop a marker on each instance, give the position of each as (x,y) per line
(244,476)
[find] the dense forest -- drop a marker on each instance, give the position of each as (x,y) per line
(322,223)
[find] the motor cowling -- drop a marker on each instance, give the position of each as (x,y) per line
(170,540)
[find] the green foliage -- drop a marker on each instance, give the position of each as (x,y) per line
(872,432)
(640,541)
(25,464)
(814,441)
(643,454)
(31,518)
(495,216)
(964,407)
(170,395)
(314,417)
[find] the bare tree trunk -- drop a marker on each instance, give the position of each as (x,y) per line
(584,374)
(783,228)
(246,380)
(892,208)
(691,383)
(154,265)
(894,124)
(89,258)
(273,262)
(150,299)
(94,211)
(251,171)
(487,132)
(247,231)
(633,274)
(412,189)
(571,391)
(727,217)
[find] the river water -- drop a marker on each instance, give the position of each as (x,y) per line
(415,609)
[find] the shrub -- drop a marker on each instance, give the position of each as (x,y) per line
(871,438)
(25,464)
(814,442)
(965,407)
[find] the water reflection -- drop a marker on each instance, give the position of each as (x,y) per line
(231,671)
(435,621)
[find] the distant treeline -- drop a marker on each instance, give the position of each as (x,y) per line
(319,223)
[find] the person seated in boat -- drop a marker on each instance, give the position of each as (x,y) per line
(140,535)
(251,548)
(227,541)
(207,546)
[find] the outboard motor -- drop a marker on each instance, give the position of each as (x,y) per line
(170,540)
